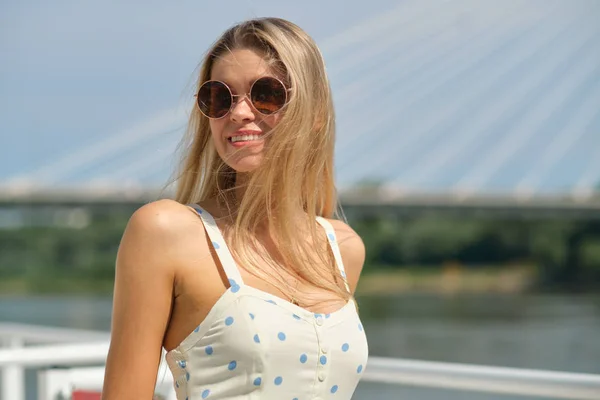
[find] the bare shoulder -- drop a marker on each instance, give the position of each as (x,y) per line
(147,260)
(352,249)
(161,217)
(165,231)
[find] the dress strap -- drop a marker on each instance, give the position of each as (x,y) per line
(218,242)
(331,238)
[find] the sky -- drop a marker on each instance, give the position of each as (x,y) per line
(463,95)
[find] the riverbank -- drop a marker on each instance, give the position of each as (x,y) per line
(55,286)
(448,280)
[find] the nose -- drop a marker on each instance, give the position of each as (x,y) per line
(242,111)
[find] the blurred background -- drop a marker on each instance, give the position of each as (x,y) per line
(468,159)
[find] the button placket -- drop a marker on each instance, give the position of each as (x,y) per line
(319,320)
(322,369)
(321,375)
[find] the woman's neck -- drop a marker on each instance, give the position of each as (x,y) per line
(240,189)
(241,182)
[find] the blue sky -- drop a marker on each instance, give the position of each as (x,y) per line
(431,95)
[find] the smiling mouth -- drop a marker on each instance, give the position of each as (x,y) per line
(244,138)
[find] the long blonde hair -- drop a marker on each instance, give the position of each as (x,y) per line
(297,169)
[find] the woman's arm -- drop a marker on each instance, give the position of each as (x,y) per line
(143,296)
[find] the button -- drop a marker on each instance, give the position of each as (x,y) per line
(321,376)
(319,320)
(324,350)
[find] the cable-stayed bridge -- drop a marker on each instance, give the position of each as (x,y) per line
(453,103)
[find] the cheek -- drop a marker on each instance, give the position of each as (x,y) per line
(272,120)
(216,128)
(217,131)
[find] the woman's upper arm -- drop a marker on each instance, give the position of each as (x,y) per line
(142,302)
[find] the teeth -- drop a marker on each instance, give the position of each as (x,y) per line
(244,138)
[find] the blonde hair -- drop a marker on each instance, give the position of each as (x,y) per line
(296,172)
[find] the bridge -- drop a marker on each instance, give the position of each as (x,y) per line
(463,106)
(361,200)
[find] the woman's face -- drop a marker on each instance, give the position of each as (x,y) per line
(239,136)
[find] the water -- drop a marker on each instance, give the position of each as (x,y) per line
(553,332)
(525,331)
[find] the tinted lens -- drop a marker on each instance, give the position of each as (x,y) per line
(268,95)
(214,99)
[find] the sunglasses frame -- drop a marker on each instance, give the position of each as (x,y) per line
(235,101)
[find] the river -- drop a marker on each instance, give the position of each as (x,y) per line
(540,331)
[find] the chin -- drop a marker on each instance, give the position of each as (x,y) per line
(247,164)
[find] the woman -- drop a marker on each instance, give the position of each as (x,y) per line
(247,279)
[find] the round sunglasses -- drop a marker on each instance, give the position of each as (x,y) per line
(267,95)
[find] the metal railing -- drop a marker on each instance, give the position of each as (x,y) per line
(15,340)
(525,382)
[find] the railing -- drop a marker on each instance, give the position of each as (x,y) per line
(559,385)
(15,337)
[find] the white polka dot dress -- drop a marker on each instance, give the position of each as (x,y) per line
(254,345)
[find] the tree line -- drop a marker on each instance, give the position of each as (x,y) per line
(566,253)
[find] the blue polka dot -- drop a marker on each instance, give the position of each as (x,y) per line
(317,315)
(234,286)
(331,236)
(359,369)
(271,301)
(205,393)
(281,336)
(199,210)
(197,329)
(295,398)
(182,363)
(187,376)
(216,245)
(278,380)
(256,338)
(296,316)
(334,388)
(208,350)
(327,315)
(257,381)
(228,321)
(251,315)
(360,328)
(345,347)
(323,360)
(232,365)
(303,358)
